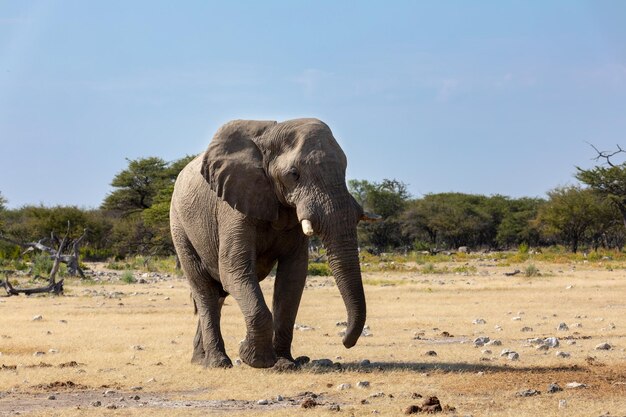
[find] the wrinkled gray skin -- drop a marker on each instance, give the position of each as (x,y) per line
(236,212)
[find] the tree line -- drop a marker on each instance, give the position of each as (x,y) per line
(133,219)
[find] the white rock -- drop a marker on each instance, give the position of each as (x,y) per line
(53,351)
(479,321)
(343,387)
(551,341)
(262,402)
(38,318)
(575,385)
(481,341)
(516,318)
(562,404)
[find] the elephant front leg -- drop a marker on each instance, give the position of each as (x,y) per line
(238,276)
(290,280)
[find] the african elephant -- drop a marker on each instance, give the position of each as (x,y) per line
(250,202)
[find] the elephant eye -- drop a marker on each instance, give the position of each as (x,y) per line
(293,174)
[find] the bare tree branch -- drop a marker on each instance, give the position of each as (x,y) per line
(606,155)
(72,261)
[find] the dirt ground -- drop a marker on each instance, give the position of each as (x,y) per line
(110,348)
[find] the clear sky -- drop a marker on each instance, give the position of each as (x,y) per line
(488,97)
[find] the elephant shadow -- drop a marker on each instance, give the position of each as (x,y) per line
(447,367)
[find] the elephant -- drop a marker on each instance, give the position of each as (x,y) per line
(249,203)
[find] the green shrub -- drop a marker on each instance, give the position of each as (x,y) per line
(531,271)
(319,269)
(128,277)
(42,264)
(523,248)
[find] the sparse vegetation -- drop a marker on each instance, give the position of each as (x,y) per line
(128,277)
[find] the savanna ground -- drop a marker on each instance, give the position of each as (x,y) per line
(112,348)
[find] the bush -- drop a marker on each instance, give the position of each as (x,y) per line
(128,277)
(42,264)
(319,269)
(531,271)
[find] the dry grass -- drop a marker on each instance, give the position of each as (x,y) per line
(102,335)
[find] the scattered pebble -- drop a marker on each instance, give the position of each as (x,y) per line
(334,407)
(553,388)
(363,384)
(561,354)
(52,397)
(513,356)
(527,329)
(562,327)
(431,353)
(322,363)
(551,341)
(96,404)
(262,402)
(343,387)
(494,342)
(479,321)
(516,318)
(562,404)
(575,385)
(528,393)
(138,347)
(603,346)
(308,403)
(481,341)
(39,353)
(38,318)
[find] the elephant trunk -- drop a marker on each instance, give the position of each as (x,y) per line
(343,258)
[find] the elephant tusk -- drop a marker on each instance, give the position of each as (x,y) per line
(307,227)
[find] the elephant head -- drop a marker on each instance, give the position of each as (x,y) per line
(261,167)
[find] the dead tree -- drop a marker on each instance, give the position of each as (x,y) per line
(71,260)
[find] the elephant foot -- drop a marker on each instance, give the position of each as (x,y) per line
(218,361)
(257,356)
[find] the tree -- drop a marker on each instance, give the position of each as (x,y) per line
(3,202)
(141,203)
(569,215)
(137,185)
(386,199)
(517,225)
(608,181)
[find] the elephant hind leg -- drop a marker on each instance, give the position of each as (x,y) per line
(208,298)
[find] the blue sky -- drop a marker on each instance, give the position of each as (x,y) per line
(485,97)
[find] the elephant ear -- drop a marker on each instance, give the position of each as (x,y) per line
(233,167)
